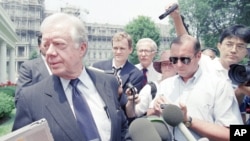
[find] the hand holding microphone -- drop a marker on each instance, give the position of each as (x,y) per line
(173,115)
(168,11)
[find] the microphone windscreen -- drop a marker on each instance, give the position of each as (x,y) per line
(141,129)
(162,130)
(172,114)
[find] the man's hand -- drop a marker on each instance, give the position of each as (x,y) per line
(157,104)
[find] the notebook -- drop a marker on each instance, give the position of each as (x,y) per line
(36,131)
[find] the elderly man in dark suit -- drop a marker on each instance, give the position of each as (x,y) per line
(64,99)
(33,71)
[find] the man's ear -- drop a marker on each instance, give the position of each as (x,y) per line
(218,46)
(83,48)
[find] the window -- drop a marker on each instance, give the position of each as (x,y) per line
(20,51)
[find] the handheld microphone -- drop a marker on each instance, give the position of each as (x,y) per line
(173,115)
(161,127)
(168,11)
(141,129)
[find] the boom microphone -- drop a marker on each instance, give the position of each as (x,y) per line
(168,11)
(173,115)
(141,129)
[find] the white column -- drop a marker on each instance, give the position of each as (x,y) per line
(12,72)
(3,53)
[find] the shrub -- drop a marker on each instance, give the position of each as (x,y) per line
(9,90)
(6,104)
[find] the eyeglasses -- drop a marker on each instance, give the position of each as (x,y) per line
(145,51)
(239,47)
(166,63)
(184,60)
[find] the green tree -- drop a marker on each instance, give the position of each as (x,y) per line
(33,55)
(206,19)
(142,27)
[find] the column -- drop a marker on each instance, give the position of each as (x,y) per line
(12,72)
(3,52)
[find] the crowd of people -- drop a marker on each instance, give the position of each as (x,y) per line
(185,75)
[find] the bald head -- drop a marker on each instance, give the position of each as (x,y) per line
(209,52)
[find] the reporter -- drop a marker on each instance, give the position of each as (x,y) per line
(140,107)
(201,96)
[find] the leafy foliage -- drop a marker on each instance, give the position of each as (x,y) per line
(6,104)
(206,19)
(33,55)
(142,27)
(8,90)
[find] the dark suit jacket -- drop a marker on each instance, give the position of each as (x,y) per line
(47,99)
(31,72)
(129,73)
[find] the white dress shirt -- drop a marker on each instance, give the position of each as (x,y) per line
(95,102)
(152,74)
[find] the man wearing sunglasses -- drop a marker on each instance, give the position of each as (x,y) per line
(208,102)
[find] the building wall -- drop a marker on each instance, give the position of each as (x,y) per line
(99,41)
(8,39)
(27,16)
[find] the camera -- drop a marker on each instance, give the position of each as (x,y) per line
(132,88)
(240,74)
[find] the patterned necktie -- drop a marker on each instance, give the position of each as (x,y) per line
(116,70)
(144,80)
(83,114)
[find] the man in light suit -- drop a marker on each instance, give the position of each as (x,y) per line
(121,48)
(65,37)
(33,71)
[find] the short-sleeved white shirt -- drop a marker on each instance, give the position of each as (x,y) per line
(206,96)
(145,99)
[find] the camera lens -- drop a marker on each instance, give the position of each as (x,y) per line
(238,74)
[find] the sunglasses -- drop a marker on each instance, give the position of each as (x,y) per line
(184,60)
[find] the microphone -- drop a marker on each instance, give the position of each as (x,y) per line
(141,129)
(161,127)
(168,11)
(173,115)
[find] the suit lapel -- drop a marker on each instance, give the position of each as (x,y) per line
(59,108)
(124,74)
(42,67)
(107,96)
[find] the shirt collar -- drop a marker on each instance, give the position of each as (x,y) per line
(195,77)
(113,64)
(84,78)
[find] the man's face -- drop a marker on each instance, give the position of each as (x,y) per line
(167,69)
(62,56)
(121,51)
(232,50)
(145,54)
(184,59)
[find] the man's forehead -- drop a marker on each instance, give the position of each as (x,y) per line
(234,39)
(49,35)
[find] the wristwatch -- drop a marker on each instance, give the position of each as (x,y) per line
(189,122)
